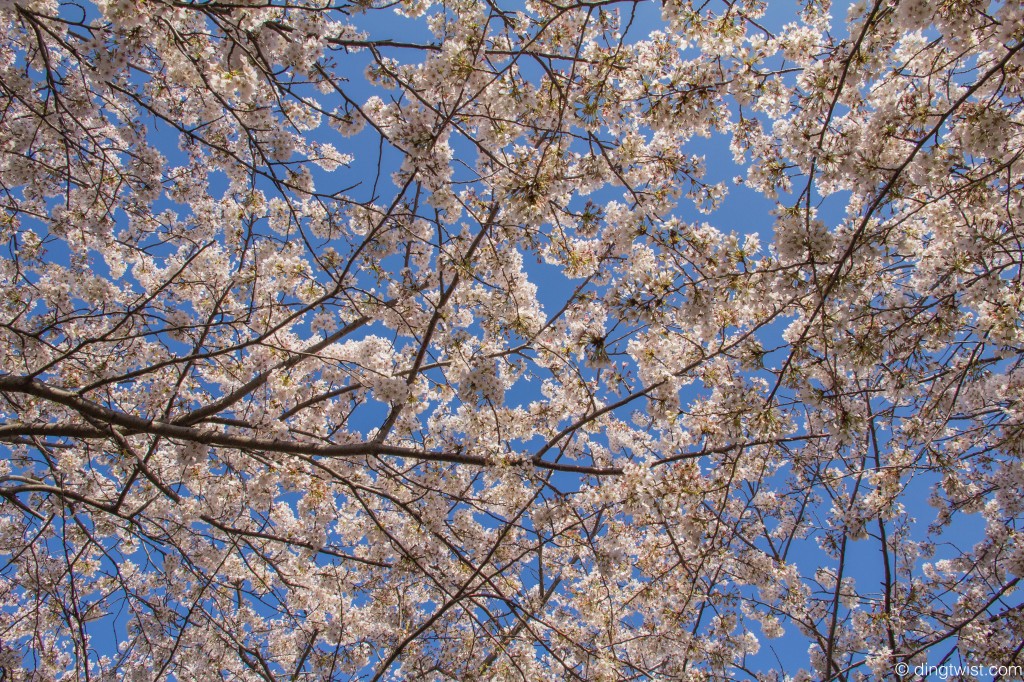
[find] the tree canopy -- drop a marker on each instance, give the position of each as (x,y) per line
(357,339)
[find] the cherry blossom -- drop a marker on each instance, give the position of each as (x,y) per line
(428,340)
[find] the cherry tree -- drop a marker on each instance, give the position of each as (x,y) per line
(414,340)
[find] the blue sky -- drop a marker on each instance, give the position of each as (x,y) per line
(744,211)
